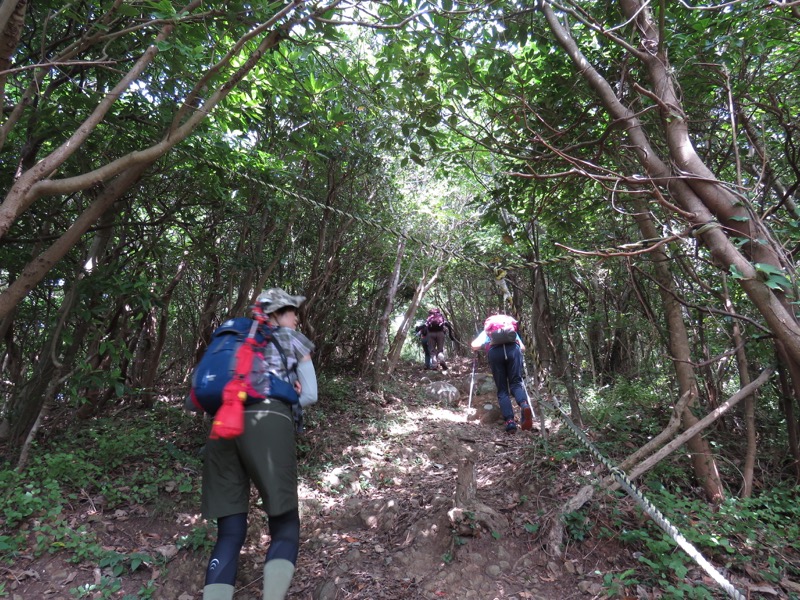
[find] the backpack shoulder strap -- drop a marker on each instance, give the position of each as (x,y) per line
(267,332)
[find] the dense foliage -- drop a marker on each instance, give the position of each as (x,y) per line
(621,176)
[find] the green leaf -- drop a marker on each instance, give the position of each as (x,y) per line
(778,283)
(768,269)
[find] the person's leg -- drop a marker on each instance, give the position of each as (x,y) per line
(497,362)
(427,350)
(271,462)
(282,554)
(441,355)
(517,385)
(514,370)
(268,453)
(226,497)
(221,570)
(436,341)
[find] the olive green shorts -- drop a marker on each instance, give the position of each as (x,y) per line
(264,454)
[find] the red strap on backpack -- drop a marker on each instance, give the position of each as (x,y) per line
(229,421)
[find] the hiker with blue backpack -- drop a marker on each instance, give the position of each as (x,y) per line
(262,453)
(504,347)
(438,327)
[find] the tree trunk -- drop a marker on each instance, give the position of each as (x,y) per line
(151,360)
(419,293)
(12,23)
(749,403)
(549,345)
(702,199)
(36,270)
(705,468)
(30,397)
(383,323)
(787,406)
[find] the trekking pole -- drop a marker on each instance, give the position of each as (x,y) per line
(472,384)
(536,402)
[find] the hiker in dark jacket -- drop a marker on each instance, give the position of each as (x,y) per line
(421,331)
(264,454)
(505,360)
(438,327)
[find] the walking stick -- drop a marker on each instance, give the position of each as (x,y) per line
(537,404)
(471,384)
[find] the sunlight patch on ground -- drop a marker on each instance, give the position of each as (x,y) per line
(402,428)
(321,500)
(440,414)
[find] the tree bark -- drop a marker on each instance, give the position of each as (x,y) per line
(36,270)
(549,345)
(749,403)
(12,22)
(699,425)
(36,182)
(705,468)
(383,323)
(703,199)
(151,360)
(419,293)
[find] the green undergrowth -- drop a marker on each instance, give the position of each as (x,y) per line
(151,460)
(757,538)
(146,464)
(108,467)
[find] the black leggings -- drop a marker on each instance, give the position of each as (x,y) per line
(285,533)
(231,532)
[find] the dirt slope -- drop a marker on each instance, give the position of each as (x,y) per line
(407,498)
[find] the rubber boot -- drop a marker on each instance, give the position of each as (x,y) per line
(218,591)
(278,574)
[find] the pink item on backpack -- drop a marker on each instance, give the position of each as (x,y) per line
(501,329)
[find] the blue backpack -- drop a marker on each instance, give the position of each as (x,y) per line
(218,366)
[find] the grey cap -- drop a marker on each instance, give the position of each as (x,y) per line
(275,299)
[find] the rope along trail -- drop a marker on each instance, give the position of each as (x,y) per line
(646,505)
(621,477)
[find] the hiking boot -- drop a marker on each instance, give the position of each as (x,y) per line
(444,366)
(527,418)
(511,426)
(440,357)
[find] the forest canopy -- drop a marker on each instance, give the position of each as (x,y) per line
(621,176)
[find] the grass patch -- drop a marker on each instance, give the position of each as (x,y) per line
(97,467)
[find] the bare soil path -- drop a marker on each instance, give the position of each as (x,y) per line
(408,497)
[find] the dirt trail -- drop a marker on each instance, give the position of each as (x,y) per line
(411,520)
(414,500)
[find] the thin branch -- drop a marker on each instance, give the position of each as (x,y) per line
(68,63)
(606,254)
(695,429)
